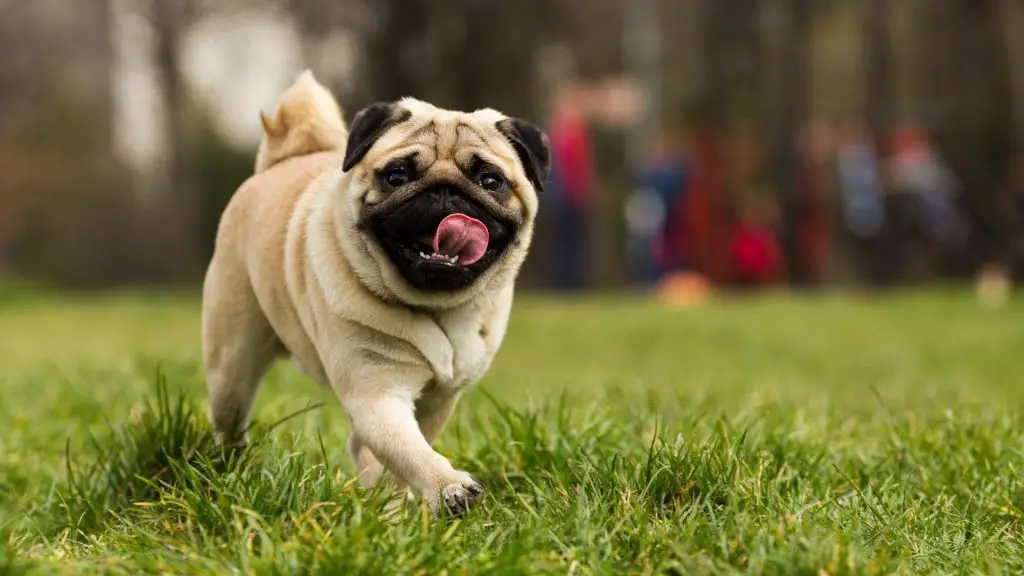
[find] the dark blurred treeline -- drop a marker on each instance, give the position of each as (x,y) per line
(72,211)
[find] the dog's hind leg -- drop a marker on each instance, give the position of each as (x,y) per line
(239,346)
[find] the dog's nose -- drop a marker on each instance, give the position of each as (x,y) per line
(445,197)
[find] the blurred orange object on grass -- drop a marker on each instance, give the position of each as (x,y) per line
(684,289)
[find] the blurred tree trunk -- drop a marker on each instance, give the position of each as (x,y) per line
(711,84)
(681,37)
(61,186)
(906,28)
(443,59)
(315,19)
(177,203)
(1011,13)
(318,21)
(731,68)
(386,63)
(935,101)
(877,110)
(976,140)
(1012,16)
(878,71)
(707,205)
(793,103)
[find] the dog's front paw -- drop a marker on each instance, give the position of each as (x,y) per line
(458,497)
(232,446)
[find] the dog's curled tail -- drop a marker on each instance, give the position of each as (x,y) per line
(308,120)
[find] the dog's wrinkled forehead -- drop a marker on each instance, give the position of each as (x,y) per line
(410,128)
(433,135)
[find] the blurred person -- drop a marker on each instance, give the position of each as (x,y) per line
(645,216)
(918,169)
(860,182)
(572,185)
(861,194)
(754,254)
(901,223)
(920,204)
(654,211)
(701,236)
(813,244)
(752,214)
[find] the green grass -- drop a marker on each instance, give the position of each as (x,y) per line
(775,435)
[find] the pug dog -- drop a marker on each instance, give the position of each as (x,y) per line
(382,258)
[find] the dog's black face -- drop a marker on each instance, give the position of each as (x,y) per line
(443,234)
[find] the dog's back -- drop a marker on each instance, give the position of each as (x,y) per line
(308,120)
(243,287)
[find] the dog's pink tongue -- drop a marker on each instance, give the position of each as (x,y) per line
(462,236)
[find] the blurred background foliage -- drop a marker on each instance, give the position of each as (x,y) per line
(125,125)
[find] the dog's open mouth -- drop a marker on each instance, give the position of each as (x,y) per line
(459,240)
(441,240)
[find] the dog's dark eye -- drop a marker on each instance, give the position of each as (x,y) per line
(396,177)
(491,182)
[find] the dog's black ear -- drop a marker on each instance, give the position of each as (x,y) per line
(367,126)
(532,146)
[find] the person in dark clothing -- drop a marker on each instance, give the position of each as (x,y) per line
(654,210)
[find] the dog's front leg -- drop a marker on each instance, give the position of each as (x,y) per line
(433,412)
(380,401)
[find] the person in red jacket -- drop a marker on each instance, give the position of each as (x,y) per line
(571,186)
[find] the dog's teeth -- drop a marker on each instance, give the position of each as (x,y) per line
(439,257)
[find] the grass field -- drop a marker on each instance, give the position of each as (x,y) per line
(775,435)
